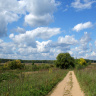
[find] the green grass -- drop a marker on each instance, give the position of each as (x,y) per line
(87,79)
(33,84)
(7,76)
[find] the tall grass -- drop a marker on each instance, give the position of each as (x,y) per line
(87,79)
(33,84)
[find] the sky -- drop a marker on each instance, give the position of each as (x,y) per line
(41,29)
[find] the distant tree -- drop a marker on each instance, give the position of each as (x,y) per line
(64,61)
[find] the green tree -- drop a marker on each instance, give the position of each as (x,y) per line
(64,61)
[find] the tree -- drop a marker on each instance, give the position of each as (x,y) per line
(64,61)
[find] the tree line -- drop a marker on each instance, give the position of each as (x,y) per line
(28,61)
(38,61)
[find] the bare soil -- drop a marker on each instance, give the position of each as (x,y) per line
(69,86)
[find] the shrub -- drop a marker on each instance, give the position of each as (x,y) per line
(82,61)
(64,61)
(13,65)
(35,67)
(32,63)
(89,63)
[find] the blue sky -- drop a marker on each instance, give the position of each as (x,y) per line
(41,29)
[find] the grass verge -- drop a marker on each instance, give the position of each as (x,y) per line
(87,80)
(35,84)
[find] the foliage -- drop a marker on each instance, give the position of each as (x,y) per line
(32,63)
(13,65)
(82,61)
(64,61)
(89,63)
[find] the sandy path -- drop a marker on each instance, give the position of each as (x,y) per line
(69,86)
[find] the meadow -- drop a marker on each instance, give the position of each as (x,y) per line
(33,80)
(87,79)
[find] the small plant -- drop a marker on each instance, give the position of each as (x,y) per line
(32,63)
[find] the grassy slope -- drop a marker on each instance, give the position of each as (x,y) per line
(35,84)
(87,79)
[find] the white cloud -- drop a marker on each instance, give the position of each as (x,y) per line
(67,40)
(40,12)
(93,53)
(29,37)
(84,47)
(9,12)
(11,36)
(36,13)
(86,38)
(34,20)
(86,4)
(26,51)
(82,26)
(84,44)
(43,46)
(20,30)
(7,48)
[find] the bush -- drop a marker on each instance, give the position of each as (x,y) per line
(64,61)
(13,65)
(89,63)
(35,67)
(80,63)
(32,63)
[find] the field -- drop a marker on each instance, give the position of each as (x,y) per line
(37,81)
(87,79)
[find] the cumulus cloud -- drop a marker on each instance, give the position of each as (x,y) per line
(34,20)
(84,42)
(67,40)
(82,26)
(9,12)
(93,54)
(43,47)
(29,37)
(36,13)
(86,4)
(7,48)
(26,51)
(11,36)
(86,38)
(84,47)
(63,44)
(40,12)
(20,30)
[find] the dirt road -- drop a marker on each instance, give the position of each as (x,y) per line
(69,86)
